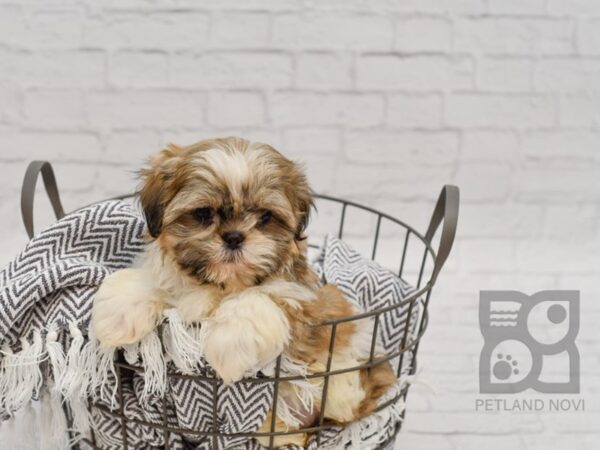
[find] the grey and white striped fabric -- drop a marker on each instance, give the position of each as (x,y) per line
(46,294)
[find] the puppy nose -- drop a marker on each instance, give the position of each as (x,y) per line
(233,239)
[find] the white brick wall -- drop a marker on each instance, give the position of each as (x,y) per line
(385,101)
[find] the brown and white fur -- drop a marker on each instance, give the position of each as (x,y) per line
(226,219)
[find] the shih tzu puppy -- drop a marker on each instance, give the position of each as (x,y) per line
(226,219)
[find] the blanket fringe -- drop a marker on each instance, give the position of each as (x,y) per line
(305,390)
(155,379)
(183,343)
(56,355)
(88,361)
(131,353)
(53,424)
(86,368)
(21,374)
(82,418)
(9,433)
(73,374)
(101,363)
(30,421)
(87,371)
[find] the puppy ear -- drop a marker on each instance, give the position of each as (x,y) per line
(304,204)
(158,186)
(150,197)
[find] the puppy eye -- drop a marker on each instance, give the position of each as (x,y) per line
(265,218)
(203,215)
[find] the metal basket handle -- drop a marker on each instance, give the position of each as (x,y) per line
(446,209)
(28,192)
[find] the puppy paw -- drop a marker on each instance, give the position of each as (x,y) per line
(246,332)
(126,308)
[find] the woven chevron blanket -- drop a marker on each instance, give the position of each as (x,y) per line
(48,354)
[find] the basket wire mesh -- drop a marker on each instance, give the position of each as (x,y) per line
(426,265)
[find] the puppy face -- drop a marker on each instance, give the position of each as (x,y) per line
(227,211)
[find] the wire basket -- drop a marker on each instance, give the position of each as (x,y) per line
(416,258)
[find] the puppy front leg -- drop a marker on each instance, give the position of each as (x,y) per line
(196,304)
(126,308)
(246,332)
